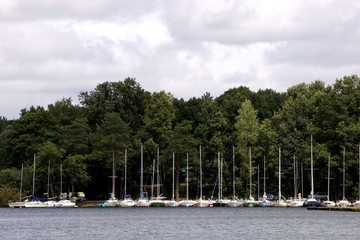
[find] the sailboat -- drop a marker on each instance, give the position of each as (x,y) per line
(112,201)
(158,200)
(142,201)
(344,202)
(201,202)
(328,203)
(64,202)
(19,204)
(234,202)
(357,202)
(311,201)
(265,202)
(187,202)
(50,202)
(173,203)
(127,201)
(297,201)
(251,201)
(220,202)
(35,202)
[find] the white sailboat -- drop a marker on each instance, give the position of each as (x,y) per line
(344,202)
(234,202)
(112,201)
(35,202)
(50,202)
(127,201)
(19,204)
(251,201)
(157,201)
(311,201)
(172,202)
(142,201)
(357,202)
(65,203)
(187,202)
(201,202)
(328,203)
(297,200)
(265,202)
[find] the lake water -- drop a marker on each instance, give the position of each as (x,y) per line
(177,223)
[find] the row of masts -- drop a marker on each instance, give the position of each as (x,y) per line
(220,174)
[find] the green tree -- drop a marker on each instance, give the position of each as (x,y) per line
(159,116)
(126,98)
(181,142)
(246,130)
(20,140)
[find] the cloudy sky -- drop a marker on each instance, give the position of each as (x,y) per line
(53,49)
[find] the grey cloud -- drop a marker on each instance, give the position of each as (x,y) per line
(19,10)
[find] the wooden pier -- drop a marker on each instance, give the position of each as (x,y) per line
(344,209)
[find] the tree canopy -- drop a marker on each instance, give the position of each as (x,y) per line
(122,115)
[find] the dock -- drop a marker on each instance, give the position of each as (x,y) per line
(89,203)
(344,209)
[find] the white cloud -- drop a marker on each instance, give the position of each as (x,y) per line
(52,49)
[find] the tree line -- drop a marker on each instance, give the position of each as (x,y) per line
(122,115)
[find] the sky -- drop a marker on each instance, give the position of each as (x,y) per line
(51,50)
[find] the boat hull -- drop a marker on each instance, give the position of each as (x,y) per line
(234,204)
(203,204)
(312,203)
(172,204)
(111,203)
(157,204)
(142,203)
(250,204)
(67,204)
(127,203)
(16,204)
(328,204)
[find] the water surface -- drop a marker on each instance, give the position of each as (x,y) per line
(177,223)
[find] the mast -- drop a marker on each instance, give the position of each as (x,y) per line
(113,176)
(258,180)
(302,179)
(264,177)
(295,191)
(234,172)
(279,174)
(125,174)
(61,180)
(250,171)
(328,187)
(33,190)
(48,183)
(344,173)
(153,180)
(21,180)
(173,179)
(200,172)
(187,177)
(312,170)
(219,176)
(158,174)
(141,172)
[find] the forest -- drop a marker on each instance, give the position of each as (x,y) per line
(119,116)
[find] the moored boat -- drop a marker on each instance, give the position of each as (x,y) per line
(142,201)
(173,203)
(311,201)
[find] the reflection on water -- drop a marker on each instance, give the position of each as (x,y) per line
(177,223)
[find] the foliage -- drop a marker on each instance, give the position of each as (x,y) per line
(121,115)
